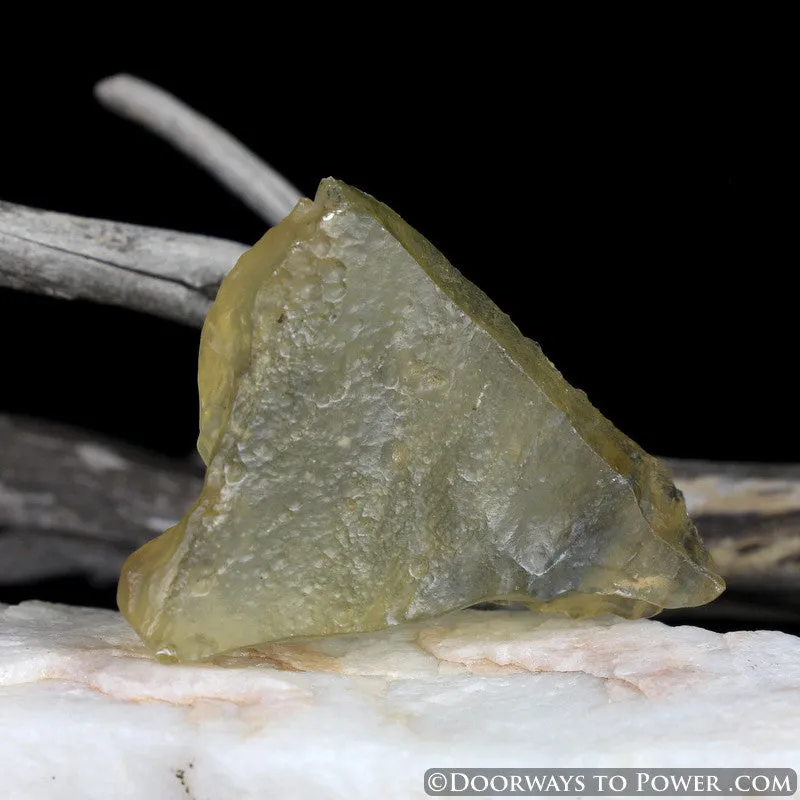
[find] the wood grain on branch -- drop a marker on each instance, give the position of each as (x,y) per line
(242,172)
(70,502)
(166,273)
(749,515)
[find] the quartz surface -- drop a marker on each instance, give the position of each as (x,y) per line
(86,712)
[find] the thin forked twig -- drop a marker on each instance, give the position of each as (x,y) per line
(259,186)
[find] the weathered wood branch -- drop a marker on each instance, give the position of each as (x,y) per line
(72,503)
(749,515)
(259,186)
(166,273)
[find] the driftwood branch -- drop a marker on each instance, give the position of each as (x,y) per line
(166,273)
(259,186)
(749,515)
(70,502)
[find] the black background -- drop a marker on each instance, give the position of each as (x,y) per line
(639,226)
(636,218)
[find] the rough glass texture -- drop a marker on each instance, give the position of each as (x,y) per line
(383,445)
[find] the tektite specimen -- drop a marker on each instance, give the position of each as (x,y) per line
(382,445)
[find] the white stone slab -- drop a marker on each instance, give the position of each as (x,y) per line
(85,712)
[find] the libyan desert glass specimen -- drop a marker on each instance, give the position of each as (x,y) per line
(384,445)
